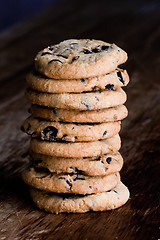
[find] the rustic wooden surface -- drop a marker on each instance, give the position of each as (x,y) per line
(133,25)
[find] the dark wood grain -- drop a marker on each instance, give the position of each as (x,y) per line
(135,26)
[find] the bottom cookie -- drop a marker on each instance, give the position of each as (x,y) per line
(57,203)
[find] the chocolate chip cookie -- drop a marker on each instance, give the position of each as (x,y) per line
(69,183)
(110,81)
(69,132)
(93,166)
(57,203)
(79,101)
(75,59)
(76,149)
(91,116)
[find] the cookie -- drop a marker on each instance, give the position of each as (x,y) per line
(114,80)
(74,59)
(69,183)
(94,166)
(77,149)
(78,101)
(97,116)
(69,132)
(57,203)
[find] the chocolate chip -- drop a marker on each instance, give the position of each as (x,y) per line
(51,48)
(76,170)
(65,135)
(109,86)
(62,178)
(95,88)
(78,178)
(73,128)
(98,158)
(55,60)
(104,134)
(115,191)
(84,102)
(49,133)
(66,181)
(74,59)
(102,162)
(108,160)
(90,187)
(96,50)
(60,55)
(46,53)
(105,47)
(83,80)
(119,74)
(97,99)
(55,112)
(86,51)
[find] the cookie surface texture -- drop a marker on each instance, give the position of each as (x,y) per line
(94,166)
(90,116)
(79,101)
(77,149)
(69,183)
(57,203)
(116,79)
(75,59)
(69,132)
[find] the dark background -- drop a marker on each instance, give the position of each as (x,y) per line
(15,11)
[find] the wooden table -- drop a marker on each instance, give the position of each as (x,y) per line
(134,26)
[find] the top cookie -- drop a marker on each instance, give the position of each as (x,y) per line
(83,58)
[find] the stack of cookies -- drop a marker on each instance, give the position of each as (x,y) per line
(76,112)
